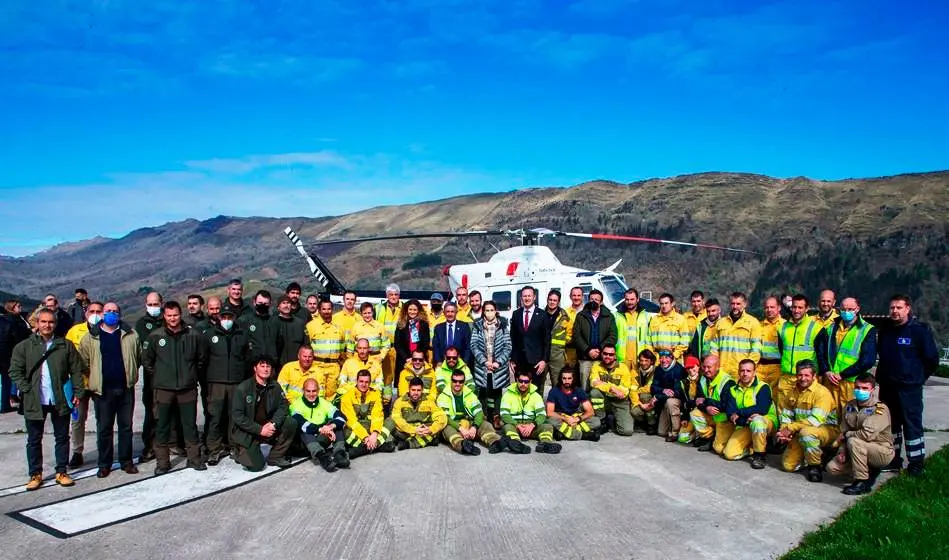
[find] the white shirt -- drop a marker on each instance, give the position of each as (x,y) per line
(46,382)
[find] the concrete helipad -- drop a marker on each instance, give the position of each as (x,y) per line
(636,497)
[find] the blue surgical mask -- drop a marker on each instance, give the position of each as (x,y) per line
(861,395)
(226,324)
(111,318)
(153,310)
(94,319)
(848,316)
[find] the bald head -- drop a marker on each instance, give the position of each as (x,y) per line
(826,302)
(710,366)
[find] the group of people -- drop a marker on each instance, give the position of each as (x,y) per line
(403,375)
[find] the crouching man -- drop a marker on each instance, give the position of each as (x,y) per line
(524,416)
(418,421)
(466,422)
(259,414)
(865,440)
(321,428)
(570,410)
(367,429)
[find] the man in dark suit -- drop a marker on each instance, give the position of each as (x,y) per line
(451,333)
(530,338)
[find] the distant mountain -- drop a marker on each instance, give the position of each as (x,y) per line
(26,302)
(865,237)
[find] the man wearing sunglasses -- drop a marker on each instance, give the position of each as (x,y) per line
(417,366)
(525,416)
(610,381)
(447,368)
(466,423)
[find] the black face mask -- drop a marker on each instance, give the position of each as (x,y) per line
(262,308)
(594,307)
(436,307)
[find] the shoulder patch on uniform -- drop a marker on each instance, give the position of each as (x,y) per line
(249,399)
(870,410)
(253,328)
(148,326)
(214,339)
(162,342)
(904,341)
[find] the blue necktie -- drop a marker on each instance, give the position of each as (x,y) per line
(451,334)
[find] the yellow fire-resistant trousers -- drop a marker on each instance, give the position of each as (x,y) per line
(327,375)
(770,374)
(747,439)
(842,393)
(783,391)
(388,367)
(806,445)
(705,426)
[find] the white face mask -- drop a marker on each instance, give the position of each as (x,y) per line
(153,310)
(490,315)
(94,319)
(226,324)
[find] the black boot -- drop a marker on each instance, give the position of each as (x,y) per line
(814,474)
(356,452)
(325,459)
(341,458)
(858,487)
(703,444)
(896,465)
(558,435)
(403,444)
(469,448)
(517,447)
(915,468)
(387,447)
(652,430)
(592,435)
(548,447)
(757,461)
(497,447)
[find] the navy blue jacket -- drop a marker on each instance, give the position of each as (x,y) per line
(663,379)
(462,341)
(761,407)
(823,345)
(908,353)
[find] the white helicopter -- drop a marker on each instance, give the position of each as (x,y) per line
(507,272)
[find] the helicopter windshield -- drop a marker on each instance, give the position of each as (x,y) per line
(614,289)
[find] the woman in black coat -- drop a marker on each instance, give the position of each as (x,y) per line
(411,333)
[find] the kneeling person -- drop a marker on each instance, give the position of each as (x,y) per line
(570,410)
(752,416)
(367,429)
(260,414)
(466,422)
(524,415)
(418,421)
(321,427)
(866,432)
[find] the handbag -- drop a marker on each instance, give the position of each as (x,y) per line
(29,376)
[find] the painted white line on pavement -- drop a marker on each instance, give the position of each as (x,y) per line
(51,479)
(74,516)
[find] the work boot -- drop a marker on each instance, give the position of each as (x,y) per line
(757,461)
(64,479)
(652,430)
(403,444)
(858,487)
(814,474)
(387,447)
(592,435)
(915,468)
(75,461)
(357,452)
(558,435)
(469,448)
(703,444)
(497,447)
(197,465)
(279,462)
(36,480)
(896,465)
(775,448)
(162,469)
(548,447)
(325,460)
(342,459)
(517,447)
(215,457)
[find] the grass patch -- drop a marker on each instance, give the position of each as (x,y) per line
(902,520)
(942,371)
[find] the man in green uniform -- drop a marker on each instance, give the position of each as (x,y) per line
(174,357)
(227,367)
(260,414)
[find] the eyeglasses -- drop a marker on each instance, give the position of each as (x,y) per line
(457,382)
(418,359)
(523,381)
(452,358)
(609,353)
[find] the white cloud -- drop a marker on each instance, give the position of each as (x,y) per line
(247,164)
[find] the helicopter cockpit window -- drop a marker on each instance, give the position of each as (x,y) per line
(503,300)
(613,289)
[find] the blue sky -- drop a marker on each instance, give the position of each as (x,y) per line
(120,114)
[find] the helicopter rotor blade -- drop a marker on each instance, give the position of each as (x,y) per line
(475,233)
(615,237)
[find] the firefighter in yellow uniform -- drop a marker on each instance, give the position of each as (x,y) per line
(346,317)
(668,329)
(632,329)
(576,306)
(373,331)
(360,361)
(367,430)
(561,329)
(417,366)
(752,416)
(610,383)
(808,422)
(642,403)
(769,366)
(696,313)
(294,374)
(388,313)
(328,341)
(708,419)
(795,342)
(737,337)
(463,305)
(417,421)
(845,349)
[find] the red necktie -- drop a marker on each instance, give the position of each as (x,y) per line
(527,319)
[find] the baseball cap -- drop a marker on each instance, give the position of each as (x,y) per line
(691,361)
(437,297)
